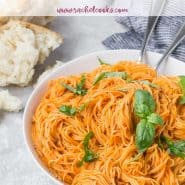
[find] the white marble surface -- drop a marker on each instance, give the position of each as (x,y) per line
(82,35)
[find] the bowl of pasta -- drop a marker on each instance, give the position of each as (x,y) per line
(104,119)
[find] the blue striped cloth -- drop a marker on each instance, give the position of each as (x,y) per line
(161,38)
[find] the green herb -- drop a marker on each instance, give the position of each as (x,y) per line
(155,119)
(89,156)
(129,80)
(182,100)
(70,88)
(145,133)
(182,85)
(103,75)
(144,107)
(176,148)
(68,110)
(146,82)
(144,103)
(102,62)
(72,111)
(79,87)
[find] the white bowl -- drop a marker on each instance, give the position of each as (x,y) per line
(84,64)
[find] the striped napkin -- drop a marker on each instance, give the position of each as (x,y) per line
(161,38)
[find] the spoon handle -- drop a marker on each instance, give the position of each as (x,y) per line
(152,21)
(178,39)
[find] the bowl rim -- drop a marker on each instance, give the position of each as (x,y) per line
(31,149)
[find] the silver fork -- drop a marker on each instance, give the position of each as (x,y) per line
(178,39)
(152,21)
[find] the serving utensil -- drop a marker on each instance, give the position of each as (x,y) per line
(152,21)
(178,39)
(157,9)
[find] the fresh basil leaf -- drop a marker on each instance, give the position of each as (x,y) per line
(68,110)
(144,103)
(145,133)
(71,111)
(89,136)
(102,62)
(103,75)
(155,119)
(176,148)
(166,140)
(70,88)
(82,82)
(99,78)
(129,80)
(79,87)
(89,156)
(142,110)
(146,82)
(182,83)
(122,75)
(182,100)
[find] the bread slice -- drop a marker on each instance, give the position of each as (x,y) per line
(39,20)
(9,102)
(22,46)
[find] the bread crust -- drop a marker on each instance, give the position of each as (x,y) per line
(35,28)
(39,20)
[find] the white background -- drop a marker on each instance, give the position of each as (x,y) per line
(45,7)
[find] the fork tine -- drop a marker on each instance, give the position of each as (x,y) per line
(178,39)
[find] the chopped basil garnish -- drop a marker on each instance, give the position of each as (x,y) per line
(182,100)
(146,82)
(79,89)
(68,110)
(104,75)
(176,148)
(72,111)
(89,155)
(102,62)
(182,85)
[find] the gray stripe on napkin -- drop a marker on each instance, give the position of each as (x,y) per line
(162,36)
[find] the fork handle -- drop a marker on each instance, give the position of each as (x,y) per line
(178,39)
(152,21)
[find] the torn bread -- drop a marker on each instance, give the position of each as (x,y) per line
(40,20)
(9,102)
(23,45)
(48,70)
